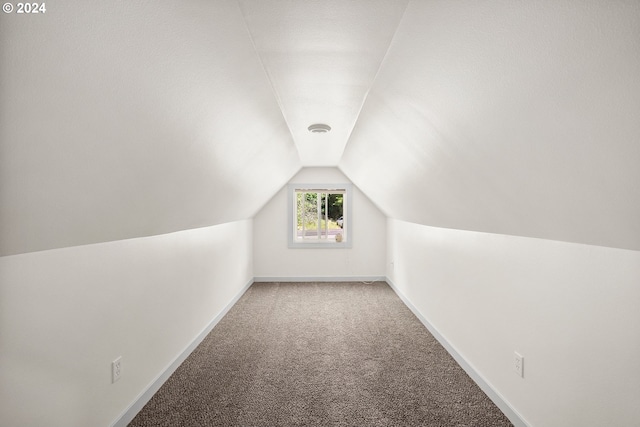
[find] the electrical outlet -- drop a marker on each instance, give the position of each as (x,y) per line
(116,369)
(518,364)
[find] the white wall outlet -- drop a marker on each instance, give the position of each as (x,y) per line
(116,369)
(518,364)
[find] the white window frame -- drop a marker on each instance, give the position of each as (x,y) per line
(297,243)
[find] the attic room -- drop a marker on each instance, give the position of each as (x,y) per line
(489,150)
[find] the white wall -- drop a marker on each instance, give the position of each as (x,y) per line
(273,259)
(65,314)
(570,309)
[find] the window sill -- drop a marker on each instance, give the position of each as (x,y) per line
(319,245)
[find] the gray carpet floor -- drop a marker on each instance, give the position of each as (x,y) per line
(320,354)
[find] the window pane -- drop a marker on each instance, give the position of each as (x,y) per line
(320,215)
(307,215)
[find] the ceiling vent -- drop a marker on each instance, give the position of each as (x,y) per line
(319,128)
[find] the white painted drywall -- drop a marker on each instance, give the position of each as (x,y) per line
(321,58)
(126,119)
(65,314)
(509,117)
(570,309)
(273,258)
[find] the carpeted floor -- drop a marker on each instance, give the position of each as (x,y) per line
(320,354)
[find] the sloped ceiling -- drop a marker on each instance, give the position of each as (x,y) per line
(322,58)
(518,118)
(128,119)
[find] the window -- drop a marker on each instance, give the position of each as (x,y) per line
(319,216)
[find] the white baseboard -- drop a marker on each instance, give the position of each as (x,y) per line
(155,385)
(322,279)
(516,419)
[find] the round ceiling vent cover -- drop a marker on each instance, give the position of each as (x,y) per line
(319,128)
